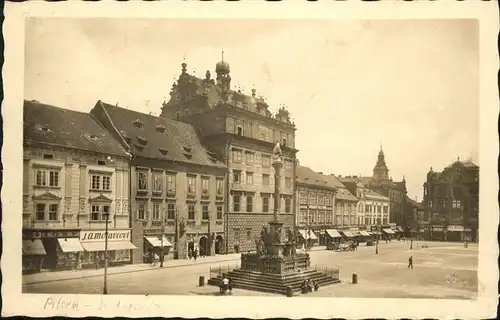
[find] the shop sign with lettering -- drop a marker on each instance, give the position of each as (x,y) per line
(99,235)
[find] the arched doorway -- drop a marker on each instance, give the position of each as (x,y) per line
(203,245)
(219,244)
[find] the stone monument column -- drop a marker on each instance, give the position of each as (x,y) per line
(276,247)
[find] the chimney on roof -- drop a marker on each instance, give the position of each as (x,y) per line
(340,176)
(320,172)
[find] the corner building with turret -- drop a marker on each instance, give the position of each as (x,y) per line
(242,132)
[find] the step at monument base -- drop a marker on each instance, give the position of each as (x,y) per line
(273,283)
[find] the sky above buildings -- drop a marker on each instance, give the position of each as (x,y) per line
(352,85)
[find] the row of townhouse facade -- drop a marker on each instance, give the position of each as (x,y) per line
(197,177)
(326,205)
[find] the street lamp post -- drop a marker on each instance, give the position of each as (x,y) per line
(162,257)
(105,289)
(378,236)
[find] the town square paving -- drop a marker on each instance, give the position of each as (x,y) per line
(442,270)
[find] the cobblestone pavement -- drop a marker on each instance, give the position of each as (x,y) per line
(443,270)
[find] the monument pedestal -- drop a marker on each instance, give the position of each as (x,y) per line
(275,267)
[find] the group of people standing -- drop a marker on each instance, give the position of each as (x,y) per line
(194,253)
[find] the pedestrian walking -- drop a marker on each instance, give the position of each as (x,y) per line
(410,262)
(195,254)
(97,261)
(190,253)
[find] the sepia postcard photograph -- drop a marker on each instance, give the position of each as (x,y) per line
(173,164)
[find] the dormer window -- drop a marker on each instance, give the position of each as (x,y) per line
(43,128)
(138,123)
(91,137)
(142,140)
(48,156)
(139,147)
(186,149)
(101,162)
(188,155)
(163,151)
(160,128)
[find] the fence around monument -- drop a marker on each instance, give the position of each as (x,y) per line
(218,271)
(331,272)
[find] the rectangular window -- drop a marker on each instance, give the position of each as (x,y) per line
(141,212)
(288,205)
(249,203)
(40,211)
(288,165)
(142,178)
(53,212)
(106,183)
(95,213)
(288,183)
(379,209)
(157,183)
(156,211)
(205,185)
(204,213)
(41,178)
(250,178)
(313,200)
(219,212)
(171,183)
(237,156)
(250,157)
(236,203)
(54,178)
(321,200)
(386,209)
(265,179)
(236,176)
(191,212)
(236,235)
(170,211)
(303,198)
(191,184)
(220,188)
(249,234)
(96,182)
(266,161)
(265,204)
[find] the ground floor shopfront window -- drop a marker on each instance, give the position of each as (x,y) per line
(118,246)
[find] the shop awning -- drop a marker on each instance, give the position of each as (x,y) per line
(70,245)
(388,231)
(112,245)
(348,234)
(365,233)
(156,241)
(400,229)
(308,234)
(333,233)
(33,247)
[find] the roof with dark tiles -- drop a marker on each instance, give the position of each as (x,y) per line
(158,138)
(56,126)
(308,176)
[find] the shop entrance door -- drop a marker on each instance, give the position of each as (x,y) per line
(50,260)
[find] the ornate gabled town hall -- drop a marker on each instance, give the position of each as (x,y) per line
(242,132)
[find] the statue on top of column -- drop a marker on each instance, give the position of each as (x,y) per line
(277,151)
